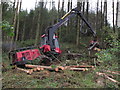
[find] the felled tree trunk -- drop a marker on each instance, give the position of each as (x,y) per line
(24,70)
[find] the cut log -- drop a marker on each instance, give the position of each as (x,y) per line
(82,66)
(111,79)
(38,66)
(56,69)
(30,71)
(75,68)
(78,69)
(38,69)
(49,67)
(61,67)
(42,68)
(106,76)
(34,69)
(24,70)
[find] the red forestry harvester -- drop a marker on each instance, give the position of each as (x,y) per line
(49,43)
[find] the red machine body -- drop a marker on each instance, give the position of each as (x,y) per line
(21,56)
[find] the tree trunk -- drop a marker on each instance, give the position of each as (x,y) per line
(41,24)
(117,12)
(17,30)
(14,22)
(83,8)
(38,24)
(101,16)
(68,5)
(23,31)
(62,13)
(71,26)
(78,31)
(1,34)
(33,23)
(68,22)
(58,9)
(87,11)
(12,18)
(15,10)
(58,19)
(105,12)
(71,4)
(113,16)
(53,5)
(97,16)
(78,24)
(62,8)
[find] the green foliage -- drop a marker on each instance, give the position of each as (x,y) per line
(111,85)
(109,37)
(52,16)
(88,80)
(26,43)
(109,57)
(23,13)
(68,36)
(7,28)
(53,66)
(7,11)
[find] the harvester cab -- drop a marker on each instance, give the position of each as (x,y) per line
(45,47)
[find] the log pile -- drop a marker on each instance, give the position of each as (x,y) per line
(105,73)
(57,68)
(75,68)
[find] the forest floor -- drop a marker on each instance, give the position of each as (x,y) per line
(13,78)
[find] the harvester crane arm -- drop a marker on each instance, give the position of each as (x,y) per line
(51,30)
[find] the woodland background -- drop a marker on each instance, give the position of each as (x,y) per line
(31,25)
(23,28)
